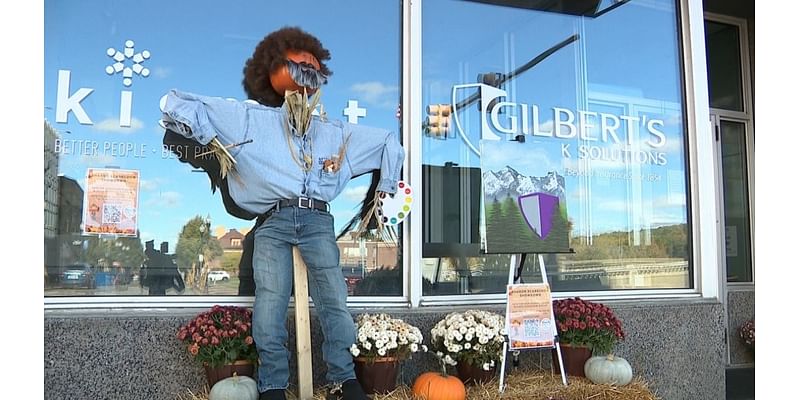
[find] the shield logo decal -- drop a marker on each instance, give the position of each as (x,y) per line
(486,94)
(538,209)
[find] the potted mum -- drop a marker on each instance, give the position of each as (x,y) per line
(584,328)
(748,334)
(221,338)
(472,341)
(381,343)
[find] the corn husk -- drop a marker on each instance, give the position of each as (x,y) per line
(226,161)
(384,232)
(299,109)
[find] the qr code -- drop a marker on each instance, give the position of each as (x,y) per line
(531,327)
(112,213)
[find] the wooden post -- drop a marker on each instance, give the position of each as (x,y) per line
(305,378)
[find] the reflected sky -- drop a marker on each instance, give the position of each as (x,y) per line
(201,47)
(623,63)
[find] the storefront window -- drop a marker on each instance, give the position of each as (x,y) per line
(724,66)
(585,101)
(112,192)
(737,206)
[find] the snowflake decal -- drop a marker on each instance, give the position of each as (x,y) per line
(119,65)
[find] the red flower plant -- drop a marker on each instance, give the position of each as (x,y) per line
(584,323)
(220,336)
(748,333)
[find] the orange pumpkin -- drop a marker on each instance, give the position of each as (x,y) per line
(435,386)
(282,81)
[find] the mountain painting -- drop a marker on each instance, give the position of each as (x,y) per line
(524,205)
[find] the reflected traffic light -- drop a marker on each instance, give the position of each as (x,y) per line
(437,124)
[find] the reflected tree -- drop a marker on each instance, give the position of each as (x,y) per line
(196,250)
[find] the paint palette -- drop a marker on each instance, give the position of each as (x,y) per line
(393,209)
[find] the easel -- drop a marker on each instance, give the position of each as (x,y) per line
(515,276)
(305,380)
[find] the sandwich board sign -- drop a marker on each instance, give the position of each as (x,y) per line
(529,316)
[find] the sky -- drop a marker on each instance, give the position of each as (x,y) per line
(201,47)
(624,63)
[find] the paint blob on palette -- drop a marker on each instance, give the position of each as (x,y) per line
(393,209)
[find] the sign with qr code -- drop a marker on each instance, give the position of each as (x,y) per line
(529,313)
(111,202)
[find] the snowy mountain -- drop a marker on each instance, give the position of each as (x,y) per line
(498,185)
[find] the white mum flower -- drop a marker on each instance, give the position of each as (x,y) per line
(354,350)
(382,352)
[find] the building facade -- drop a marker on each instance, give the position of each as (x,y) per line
(636,116)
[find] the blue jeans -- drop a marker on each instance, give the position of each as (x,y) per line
(312,231)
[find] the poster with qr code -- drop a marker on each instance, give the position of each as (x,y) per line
(111,202)
(529,312)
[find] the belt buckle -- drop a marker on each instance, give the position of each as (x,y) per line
(309,200)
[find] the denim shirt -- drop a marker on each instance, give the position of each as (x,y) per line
(265,171)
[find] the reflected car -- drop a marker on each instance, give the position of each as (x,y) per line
(78,275)
(215,276)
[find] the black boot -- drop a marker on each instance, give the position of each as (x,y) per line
(347,390)
(273,394)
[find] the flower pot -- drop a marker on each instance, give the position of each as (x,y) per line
(240,367)
(574,358)
(474,374)
(378,375)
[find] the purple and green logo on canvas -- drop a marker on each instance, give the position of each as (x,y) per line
(538,209)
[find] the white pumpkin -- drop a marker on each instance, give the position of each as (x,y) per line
(234,388)
(608,369)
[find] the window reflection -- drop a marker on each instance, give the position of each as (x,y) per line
(592,96)
(102,111)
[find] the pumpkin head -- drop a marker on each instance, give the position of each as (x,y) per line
(608,370)
(234,388)
(435,386)
(301,69)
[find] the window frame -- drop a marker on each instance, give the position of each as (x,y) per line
(705,265)
(745,117)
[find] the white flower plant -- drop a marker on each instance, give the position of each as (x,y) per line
(474,337)
(379,336)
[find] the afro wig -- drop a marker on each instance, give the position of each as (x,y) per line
(270,55)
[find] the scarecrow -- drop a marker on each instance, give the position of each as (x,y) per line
(276,163)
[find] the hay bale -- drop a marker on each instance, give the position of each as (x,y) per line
(520,385)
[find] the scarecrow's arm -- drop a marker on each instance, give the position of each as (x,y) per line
(370,149)
(202,118)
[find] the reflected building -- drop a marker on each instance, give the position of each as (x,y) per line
(50,195)
(50,181)
(357,255)
(231,241)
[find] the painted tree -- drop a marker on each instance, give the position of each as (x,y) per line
(494,228)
